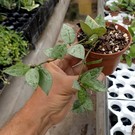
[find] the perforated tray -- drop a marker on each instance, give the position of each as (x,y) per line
(122,116)
(122,83)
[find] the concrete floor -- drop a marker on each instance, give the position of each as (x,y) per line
(76,124)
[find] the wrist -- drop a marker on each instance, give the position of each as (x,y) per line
(36,112)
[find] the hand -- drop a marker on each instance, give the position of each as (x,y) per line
(60,98)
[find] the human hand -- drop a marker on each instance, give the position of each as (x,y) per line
(60,98)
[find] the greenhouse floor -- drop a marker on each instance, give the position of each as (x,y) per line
(76,124)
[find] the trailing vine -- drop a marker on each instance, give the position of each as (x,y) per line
(36,75)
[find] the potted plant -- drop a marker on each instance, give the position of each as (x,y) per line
(110,41)
(127,20)
(122,5)
(37,75)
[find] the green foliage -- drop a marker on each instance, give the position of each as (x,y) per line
(32,77)
(89,80)
(100,20)
(9,4)
(45,79)
(2,17)
(28,4)
(130,53)
(58,52)
(83,103)
(91,22)
(25,4)
(92,40)
(77,51)
(127,5)
(67,34)
(17,70)
(12,47)
(38,76)
(93,29)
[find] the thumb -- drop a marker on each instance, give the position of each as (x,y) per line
(69,84)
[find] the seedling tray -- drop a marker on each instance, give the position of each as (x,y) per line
(122,116)
(121,98)
(122,83)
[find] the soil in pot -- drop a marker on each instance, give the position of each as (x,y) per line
(109,48)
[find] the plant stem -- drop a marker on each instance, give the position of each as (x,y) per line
(84,61)
(48,61)
(79,41)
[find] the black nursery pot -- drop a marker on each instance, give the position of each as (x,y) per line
(32,23)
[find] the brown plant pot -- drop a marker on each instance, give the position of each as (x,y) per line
(127,21)
(109,61)
(114,13)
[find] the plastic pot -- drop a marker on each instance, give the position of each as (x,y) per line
(109,61)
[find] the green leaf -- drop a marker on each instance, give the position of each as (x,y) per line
(89,80)
(19,69)
(58,52)
(32,77)
(80,108)
(133,23)
(91,22)
(67,34)
(128,60)
(114,8)
(130,8)
(94,85)
(90,75)
(30,8)
(94,62)
(82,95)
(132,1)
(85,28)
(99,31)
(48,52)
(92,40)
(133,38)
(45,79)
(131,31)
(2,17)
(76,85)
(132,50)
(77,51)
(100,20)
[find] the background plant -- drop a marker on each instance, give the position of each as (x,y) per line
(36,75)
(12,48)
(130,53)
(24,4)
(126,5)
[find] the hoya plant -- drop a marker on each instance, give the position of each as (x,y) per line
(130,53)
(126,5)
(36,75)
